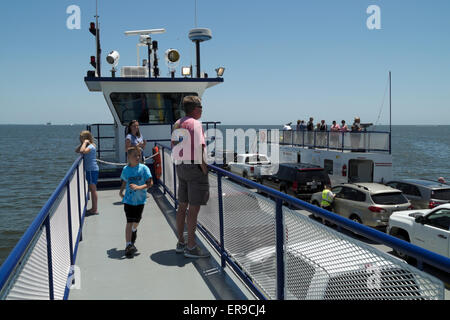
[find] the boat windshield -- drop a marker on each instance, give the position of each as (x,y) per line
(149,108)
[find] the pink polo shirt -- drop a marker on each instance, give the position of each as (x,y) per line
(195,141)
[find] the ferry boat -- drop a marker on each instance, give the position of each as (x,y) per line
(260,248)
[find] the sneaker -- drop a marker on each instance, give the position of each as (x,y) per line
(196,252)
(133,236)
(130,250)
(180,247)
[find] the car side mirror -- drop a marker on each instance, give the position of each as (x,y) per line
(421,219)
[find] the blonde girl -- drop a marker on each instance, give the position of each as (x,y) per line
(88,149)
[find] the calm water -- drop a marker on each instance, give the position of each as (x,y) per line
(35,158)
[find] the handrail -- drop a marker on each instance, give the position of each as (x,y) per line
(20,250)
(310,139)
(417,252)
(421,254)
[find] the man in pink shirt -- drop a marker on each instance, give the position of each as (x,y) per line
(192,173)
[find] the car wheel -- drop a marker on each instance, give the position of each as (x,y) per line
(355,218)
(401,254)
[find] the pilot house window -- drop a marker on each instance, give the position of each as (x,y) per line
(150,108)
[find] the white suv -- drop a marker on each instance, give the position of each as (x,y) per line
(368,203)
(426,228)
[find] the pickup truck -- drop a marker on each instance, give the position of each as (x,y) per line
(426,228)
(251,166)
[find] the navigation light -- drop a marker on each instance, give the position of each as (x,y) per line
(186,71)
(113,58)
(93,62)
(220,71)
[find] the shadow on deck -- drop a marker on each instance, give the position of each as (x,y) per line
(156,272)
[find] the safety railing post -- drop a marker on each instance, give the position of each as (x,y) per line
(328,140)
(303,138)
(98,141)
(78,192)
(163,169)
(49,258)
(279,227)
(221,223)
(175,185)
(69,222)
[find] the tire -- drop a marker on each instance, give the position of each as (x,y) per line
(355,218)
(400,254)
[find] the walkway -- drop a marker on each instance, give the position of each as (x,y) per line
(156,272)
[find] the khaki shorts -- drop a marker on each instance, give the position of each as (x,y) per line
(193,185)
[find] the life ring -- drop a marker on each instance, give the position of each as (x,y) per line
(157,161)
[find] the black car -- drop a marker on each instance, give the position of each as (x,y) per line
(300,180)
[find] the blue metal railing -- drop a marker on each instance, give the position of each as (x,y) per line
(362,141)
(42,224)
(17,257)
(422,255)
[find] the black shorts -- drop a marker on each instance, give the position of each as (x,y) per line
(133,213)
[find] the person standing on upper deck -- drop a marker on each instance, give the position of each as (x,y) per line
(310,133)
(310,124)
(334,134)
(356,125)
(335,127)
(344,127)
(301,125)
(192,173)
(355,137)
(323,125)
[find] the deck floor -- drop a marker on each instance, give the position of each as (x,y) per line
(156,272)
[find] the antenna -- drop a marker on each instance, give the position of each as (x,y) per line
(198,35)
(145,32)
(390,112)
(146,40)
(97,35)
(195,13)
(95,30)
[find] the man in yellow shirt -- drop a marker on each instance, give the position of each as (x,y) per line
(327,198)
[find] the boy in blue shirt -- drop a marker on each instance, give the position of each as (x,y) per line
(136,179)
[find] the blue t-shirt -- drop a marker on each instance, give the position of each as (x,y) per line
(137,175)
(90,160)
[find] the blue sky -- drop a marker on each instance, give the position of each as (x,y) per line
(285,60)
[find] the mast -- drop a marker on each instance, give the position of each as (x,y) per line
(390,113)
(97,36)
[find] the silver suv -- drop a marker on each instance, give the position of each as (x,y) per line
(423,194)
(368,203)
